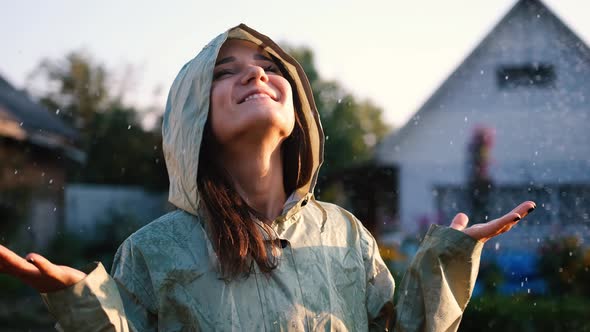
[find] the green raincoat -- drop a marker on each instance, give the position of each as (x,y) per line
(330,276)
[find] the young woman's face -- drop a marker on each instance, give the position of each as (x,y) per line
(249,96)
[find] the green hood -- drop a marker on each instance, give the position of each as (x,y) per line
(187,109)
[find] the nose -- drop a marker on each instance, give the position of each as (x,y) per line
(256,73)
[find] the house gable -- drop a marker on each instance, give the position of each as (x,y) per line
(545,123)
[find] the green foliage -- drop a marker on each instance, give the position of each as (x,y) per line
(73,249)
(518,314)
(565,264)
(118,149)
(14,210)
(67,249)
(352,127)
(121,152)
(78,87)
(109,233)
(11,287)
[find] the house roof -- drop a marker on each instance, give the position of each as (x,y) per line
(17,106)
(530,7)
(23,119)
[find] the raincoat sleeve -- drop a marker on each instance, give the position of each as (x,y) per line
(438,284)
(100,302)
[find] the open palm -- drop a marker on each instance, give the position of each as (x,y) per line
(37,272)
(485,231)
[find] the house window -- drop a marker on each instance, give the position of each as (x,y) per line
(528,75)
(501,200)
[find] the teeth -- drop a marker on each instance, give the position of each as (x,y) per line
(256,96)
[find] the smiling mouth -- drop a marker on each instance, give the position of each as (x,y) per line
(258,96)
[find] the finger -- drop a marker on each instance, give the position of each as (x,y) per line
(484,232)
(45,266)
(505,223)
(506,228)
(507,220)
(460,221)
(524,208)
(13,264)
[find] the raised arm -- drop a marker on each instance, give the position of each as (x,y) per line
(88,300)
(38,272)
(439,282)
(100,302)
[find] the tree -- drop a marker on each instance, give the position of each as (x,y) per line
(76,86)
(118,149)
(352,127)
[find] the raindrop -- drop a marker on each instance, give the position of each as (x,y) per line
(327,138)
(465,119)
(536,153)
(481,72)
(21,124)
(571,254)
(522,284)
(16,171)
(57,111)
(497,246)
(528,290)
(339,100)
(50,181)
(560,269)
(128,127)
(54,209)
(28,228)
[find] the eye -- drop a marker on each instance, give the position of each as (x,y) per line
(272,68)
(221,73)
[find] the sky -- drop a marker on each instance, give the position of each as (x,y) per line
(395,53)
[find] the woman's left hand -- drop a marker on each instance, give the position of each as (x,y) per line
(485,231)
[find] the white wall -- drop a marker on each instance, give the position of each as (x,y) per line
(542,134)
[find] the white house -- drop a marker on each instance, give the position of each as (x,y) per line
(529,81)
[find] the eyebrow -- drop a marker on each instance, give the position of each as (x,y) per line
(228,59)
(259,56)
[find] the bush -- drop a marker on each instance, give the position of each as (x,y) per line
(109,232)
(526,313)
(565,264)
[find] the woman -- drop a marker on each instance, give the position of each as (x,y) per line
(249,248)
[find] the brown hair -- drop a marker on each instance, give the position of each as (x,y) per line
(237,238)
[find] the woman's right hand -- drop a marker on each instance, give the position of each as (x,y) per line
(37,272)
